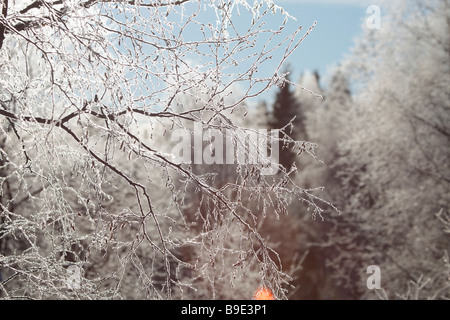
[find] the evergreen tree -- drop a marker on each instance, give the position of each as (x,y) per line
(287,109)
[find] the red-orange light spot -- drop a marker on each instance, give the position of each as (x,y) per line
(264,293)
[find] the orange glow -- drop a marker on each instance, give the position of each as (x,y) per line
(264,293)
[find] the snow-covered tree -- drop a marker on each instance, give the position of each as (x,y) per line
(92,200)
(323,130)
(393,158)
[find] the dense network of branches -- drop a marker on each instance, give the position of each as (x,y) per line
(90,92)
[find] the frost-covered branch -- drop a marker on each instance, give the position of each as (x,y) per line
(94,202)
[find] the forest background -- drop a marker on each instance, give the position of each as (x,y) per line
(93,205)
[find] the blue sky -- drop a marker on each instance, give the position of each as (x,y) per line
(339,22)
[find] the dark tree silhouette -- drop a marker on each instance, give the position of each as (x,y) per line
(287,115)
